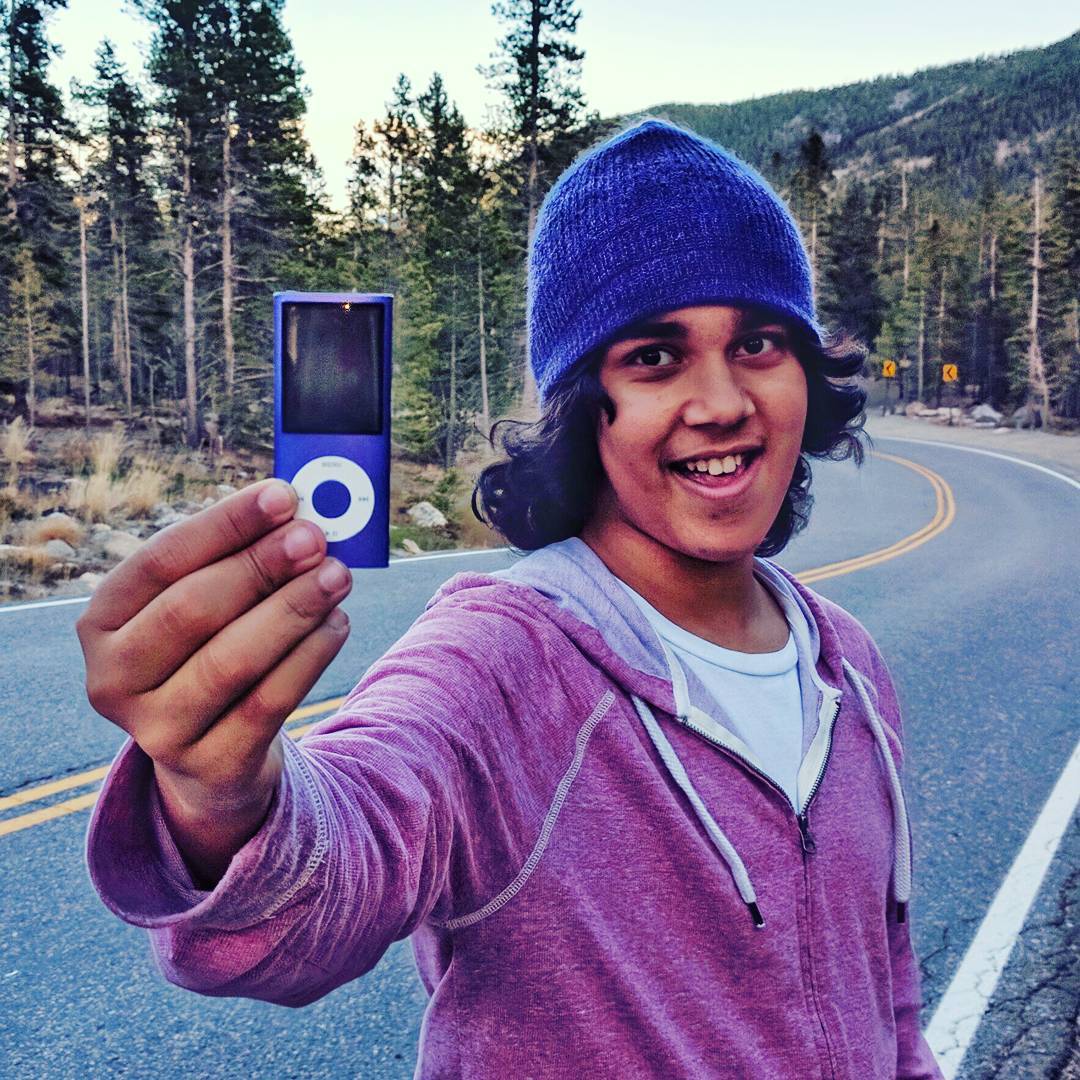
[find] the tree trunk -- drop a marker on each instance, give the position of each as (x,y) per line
(991,319)
(485,409)
(117,321)
(31,361)
(81,202)
(907,228)
(941,338)
(227,273)
(1038,386)
(922,347)
(531,393)
(125,317)
(191,402)
(881,239)
(451,424)
(12,178)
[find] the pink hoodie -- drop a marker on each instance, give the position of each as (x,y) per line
(578,845)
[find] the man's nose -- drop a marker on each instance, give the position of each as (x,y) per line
(715,395)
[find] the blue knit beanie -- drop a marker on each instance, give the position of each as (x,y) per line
(653,219)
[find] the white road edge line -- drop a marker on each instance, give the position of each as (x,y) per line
(985,453)
(967,997)
(393,562)
(960,1010)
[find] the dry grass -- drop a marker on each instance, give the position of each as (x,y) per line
(43,530)
(92,497)
(15,445)
(106,450)
(28,562)
(72,451)
(141,489)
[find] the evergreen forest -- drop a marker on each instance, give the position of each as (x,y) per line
(143,233)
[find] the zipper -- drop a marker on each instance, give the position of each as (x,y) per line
(801,818)
(806,840)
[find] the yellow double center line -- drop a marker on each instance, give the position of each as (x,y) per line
(945,511)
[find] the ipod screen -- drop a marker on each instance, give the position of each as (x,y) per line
(332,368)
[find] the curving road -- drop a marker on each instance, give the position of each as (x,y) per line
(961,565)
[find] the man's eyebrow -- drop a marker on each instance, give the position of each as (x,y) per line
(756,318)
(748,320)
(646,329)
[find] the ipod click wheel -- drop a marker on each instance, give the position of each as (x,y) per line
(336,494)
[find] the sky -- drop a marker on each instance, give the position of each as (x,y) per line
(638,53)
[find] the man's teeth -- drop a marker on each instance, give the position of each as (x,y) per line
(715,466)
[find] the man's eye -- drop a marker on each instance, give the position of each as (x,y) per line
(653,357)
(756,344)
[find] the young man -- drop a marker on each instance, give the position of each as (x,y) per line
(636,799)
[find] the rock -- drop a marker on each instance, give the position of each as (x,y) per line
(1027,417)
(60,549)
(207,502)
(119,545)
(914,408)
(411,546)
(985,412)
(167,517)
(225,489)
(90,580)
(427,516)
(62,521)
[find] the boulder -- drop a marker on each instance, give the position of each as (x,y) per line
(1027,417)
(60,549)
(90,580)
(167,517)
(119,545)
(427,516)
(411,546)
(985,412)
(62,521)
(915,408)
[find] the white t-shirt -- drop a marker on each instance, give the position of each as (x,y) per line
(759,691)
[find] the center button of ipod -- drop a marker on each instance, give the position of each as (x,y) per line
(333,474)
(331,498)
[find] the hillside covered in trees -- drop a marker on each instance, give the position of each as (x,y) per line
(139,250)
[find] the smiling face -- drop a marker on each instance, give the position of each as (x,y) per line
(710,405)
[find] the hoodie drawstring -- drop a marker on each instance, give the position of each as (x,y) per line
(716,834)
(901,828)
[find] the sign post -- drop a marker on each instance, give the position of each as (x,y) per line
(888,370)
(949,374)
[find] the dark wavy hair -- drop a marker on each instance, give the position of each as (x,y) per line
(545,488)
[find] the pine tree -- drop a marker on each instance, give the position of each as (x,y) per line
(40,219)
(851,295)
(812,174)
(1062,279)
(181,67)
(443,192)
(542,125)
(128,235)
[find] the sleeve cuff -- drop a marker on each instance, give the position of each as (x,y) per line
(140,875)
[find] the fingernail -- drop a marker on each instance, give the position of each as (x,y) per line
(300,542)
(276,499)
(333,576)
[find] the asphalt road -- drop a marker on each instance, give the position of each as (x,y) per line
(982,633)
